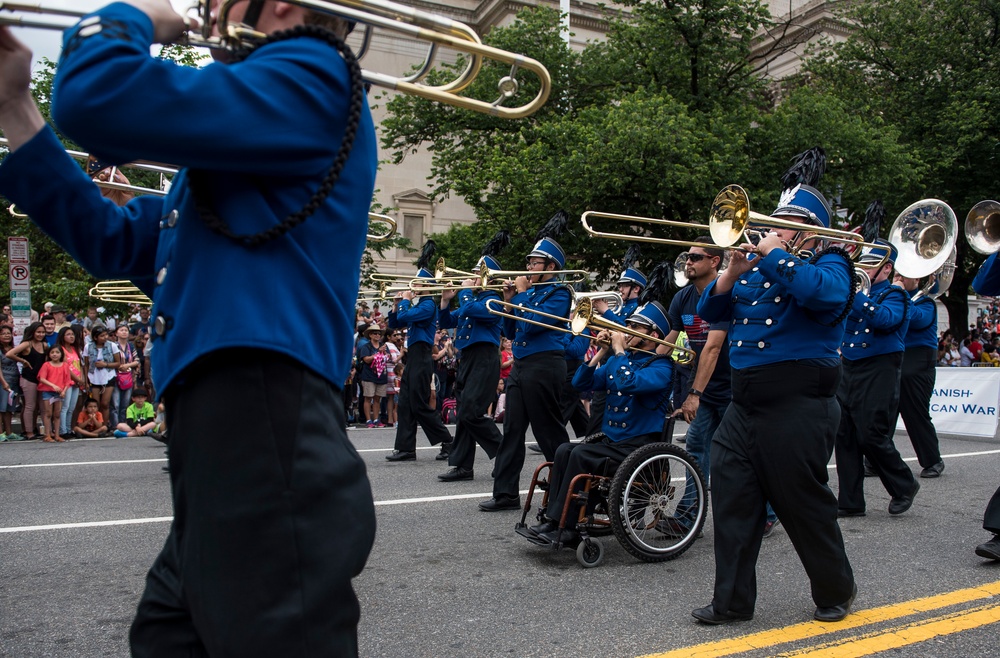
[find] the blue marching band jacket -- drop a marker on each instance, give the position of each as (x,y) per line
(877,323)
(620,316)
(923,323)
(528,339)
(638,386)
(987,281)
(420,319)
(472,321)
(785,308)
(257,171)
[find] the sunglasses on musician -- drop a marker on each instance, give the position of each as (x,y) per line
(695,258)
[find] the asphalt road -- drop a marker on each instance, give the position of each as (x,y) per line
(445,579)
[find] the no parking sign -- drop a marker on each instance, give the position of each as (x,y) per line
(20,276)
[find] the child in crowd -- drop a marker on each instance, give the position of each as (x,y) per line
(54,380)
(140,417)
(90,423)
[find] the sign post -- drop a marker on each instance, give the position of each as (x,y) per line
(19,272)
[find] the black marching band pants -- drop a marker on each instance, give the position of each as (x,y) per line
(415,399)
(869,397)
(991,520)
(533,392)
(915,388)
(475,391)
(573,411)
(271,522)
(773,445)
(572,459)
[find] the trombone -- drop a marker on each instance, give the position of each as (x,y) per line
(982,227)
(582,318)
(124,292)
(633,219)
(485,274)
(435,31)
(164,170)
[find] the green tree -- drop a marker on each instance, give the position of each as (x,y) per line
(931,72)
(654,121)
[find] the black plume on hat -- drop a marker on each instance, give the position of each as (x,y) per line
(659,281)
(631,256)
(872,226)
(497,244)
(555,226)
(426,255)
(807,168)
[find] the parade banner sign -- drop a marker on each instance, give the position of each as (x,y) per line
(965,401)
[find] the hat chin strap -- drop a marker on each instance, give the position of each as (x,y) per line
(254,9)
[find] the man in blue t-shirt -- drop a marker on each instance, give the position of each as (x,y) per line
(710,394)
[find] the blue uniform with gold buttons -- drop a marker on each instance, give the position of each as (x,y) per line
(987,282)
(477,335)
(873,346)
(413,409)
(261,155)
(619,316)
(526,338)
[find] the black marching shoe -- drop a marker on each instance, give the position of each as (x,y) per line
(990,550)
(836,612)
(566,536)
(456,474)
(708,615)
(401,456)
(933,471)
(445,451)
(535,448)
(903,503)
(501,503)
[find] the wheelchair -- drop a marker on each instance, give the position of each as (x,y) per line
(655,504)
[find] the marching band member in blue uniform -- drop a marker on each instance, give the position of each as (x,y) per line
(419,316)
(570,403)
(872,351)
(916,382)
(536,379)
(477,334)
(631,283)
(776,438)
(638,385)
(987,282)
(262,500)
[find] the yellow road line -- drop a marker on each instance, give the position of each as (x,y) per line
(903,635)
(810,629)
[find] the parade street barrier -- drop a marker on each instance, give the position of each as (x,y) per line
(965,401)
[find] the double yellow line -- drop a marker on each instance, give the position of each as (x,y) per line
(863,644)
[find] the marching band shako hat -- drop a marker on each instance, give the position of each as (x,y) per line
(549,248)
(807,202)
(872,255)
(490,262)
(652,315)
(424,273)
(633,276)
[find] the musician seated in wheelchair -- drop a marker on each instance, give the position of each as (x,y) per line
(638,388)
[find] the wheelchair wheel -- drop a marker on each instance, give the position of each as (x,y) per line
(657,502)
(589,553)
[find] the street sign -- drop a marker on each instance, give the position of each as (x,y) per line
(20,302)
(20,276)
(17,250)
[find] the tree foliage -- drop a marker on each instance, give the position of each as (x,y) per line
(931,71)
(653,121)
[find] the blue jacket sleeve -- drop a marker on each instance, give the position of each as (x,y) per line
(886,315)
(922,313)
(822,284)
(392,321)
(613,317)
(558,303)
(589,378)
(987,281)
(116,100)
(714,307)
(474,307)
(108,241)
(425,309)
(447,319)
(654,377)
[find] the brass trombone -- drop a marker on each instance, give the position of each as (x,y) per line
(982,227)
(634,219)
(583,317)
(164,170)
(486,274)
(124,292)
(401,20)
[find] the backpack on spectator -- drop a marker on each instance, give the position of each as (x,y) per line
(449,411)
